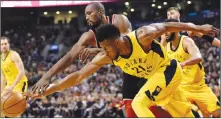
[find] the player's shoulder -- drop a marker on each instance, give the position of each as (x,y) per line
(187,41)
(87,37)
(187,38)
(14,54)
(116,16)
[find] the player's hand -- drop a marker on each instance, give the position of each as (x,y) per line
(182,65)
(209,29)
(40,86)
(32,97)
(86,52)
(7,90)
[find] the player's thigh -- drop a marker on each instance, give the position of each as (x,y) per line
(178,106)
(158,89)
(206,100)
(21,87)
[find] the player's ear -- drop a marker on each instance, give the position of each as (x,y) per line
(100,12)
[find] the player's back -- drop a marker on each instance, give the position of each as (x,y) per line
(142,64)
(193,74)
(9,69)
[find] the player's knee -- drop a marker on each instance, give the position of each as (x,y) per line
(216,113)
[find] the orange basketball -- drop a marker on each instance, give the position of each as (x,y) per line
(13,105)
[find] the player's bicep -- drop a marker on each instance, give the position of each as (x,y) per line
(145,35)
(191,48)
(18,62)
(85,40)
(122,23)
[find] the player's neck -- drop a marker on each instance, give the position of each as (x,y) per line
(103,21)
(176,40)
(124,47)
(4,54)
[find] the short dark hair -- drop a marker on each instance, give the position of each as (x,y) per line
(5,38)
(172,8)
(107,32)
(171,20)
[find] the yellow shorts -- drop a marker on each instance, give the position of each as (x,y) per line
(203,96)
(162,89)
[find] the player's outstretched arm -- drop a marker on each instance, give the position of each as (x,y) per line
(85,40)
(190,47)
(179,26)
(77,77)
(213,40)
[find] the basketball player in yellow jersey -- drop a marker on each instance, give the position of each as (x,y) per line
(173,13)
(183,49)
(12,70)
(140,55)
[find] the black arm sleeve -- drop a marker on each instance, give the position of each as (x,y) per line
(208,38)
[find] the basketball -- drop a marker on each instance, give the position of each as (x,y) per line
(13,104)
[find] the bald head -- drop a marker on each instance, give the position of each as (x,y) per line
(94,14)
(97,6)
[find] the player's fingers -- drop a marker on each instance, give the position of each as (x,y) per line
(41,90)
(81,54)
(88,54)
(84,57)
(33,89)
(45,87)
(216,30)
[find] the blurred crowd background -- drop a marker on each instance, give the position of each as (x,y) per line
(43,35)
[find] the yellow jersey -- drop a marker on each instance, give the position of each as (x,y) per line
(142,64)
(10,70)
(193,74)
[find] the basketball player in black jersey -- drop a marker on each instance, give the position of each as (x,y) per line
(95,16)
(173,13)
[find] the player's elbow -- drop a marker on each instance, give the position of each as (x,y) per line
(198,59)
(21,72)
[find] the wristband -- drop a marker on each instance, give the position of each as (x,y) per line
(208,38)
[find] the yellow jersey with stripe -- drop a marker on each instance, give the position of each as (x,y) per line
(142,64)
(193,74)
(10,70)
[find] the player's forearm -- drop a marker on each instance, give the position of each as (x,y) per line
(58,67)
(69,81)
(64,62)
(163,40)
(192,61)
(179,26)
